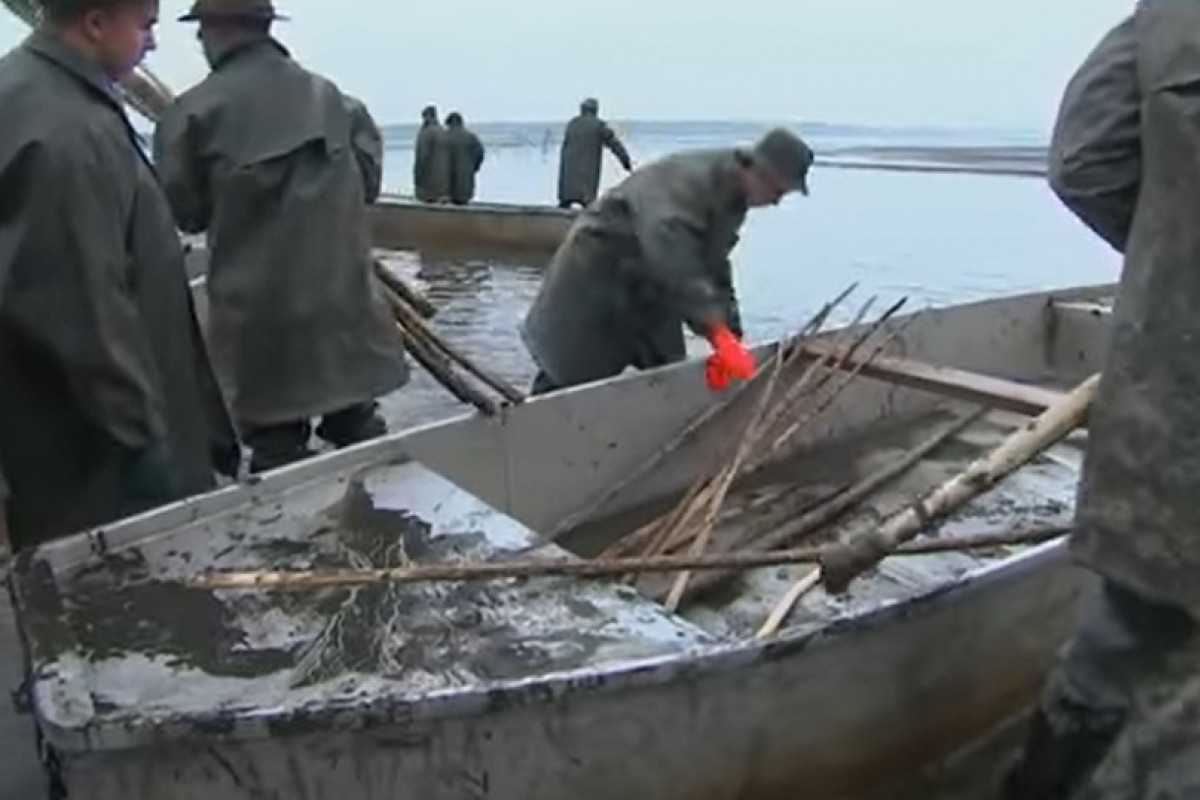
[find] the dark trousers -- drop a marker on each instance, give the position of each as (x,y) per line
(1120,640)
(276,445)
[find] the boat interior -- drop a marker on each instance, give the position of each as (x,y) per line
(120,637)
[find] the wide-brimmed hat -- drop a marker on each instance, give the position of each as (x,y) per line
(786,156)
(231,9)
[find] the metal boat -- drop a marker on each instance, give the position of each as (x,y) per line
(558,687)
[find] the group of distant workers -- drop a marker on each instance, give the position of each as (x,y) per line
(447,158)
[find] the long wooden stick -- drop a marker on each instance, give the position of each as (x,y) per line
(441,372)
(432,573)
(725,479)
(841,503)
(419,302)
(847,560)
(685,435)
(794,595)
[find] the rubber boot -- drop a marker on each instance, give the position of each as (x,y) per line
(358,423)
(1055,763)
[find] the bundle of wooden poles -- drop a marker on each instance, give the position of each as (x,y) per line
(149,96)
(439,358)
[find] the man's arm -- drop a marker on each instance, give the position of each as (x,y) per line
(1095,159)
(616,146)
(671,223)
(367,142)
(65,287)
(183,178)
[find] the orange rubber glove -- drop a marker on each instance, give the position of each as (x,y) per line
(730,361)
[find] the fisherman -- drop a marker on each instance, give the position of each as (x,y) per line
(579,160)
(108,404)
(431,164)
(1119,719)
(651,255)
(465,154)
(261,155)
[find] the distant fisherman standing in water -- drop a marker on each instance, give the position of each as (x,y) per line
(108,405)
(431,165)
(464,151)
(652,255)
(579,160)
(261,154)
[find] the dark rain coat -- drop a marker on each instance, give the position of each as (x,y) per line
(464,152)
(431,164)
(101,359)
(368,147)
(579,160)
(260,154)
(650,256)
(1125,157)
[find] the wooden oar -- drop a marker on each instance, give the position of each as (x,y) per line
(434,573)
(845,561)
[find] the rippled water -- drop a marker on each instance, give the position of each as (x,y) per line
(935,238)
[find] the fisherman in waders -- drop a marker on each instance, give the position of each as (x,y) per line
(652,255)
(262,156)
(1120,717)
(579,160)
(431,163)
(465,153)
(108,404)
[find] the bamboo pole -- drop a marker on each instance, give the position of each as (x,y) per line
(846,561)
(842,502)
(440,573)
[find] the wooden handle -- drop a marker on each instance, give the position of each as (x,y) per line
(846,561)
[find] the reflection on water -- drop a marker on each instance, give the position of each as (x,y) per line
(935,238)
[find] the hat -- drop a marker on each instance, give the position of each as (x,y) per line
(590,104)
(786,156)
(231,9)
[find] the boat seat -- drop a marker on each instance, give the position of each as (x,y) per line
(139,646)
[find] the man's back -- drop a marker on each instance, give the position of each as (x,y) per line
(579,165)
(261,155)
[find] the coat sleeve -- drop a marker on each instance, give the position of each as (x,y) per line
(64,287)
(724,283)
(1095,159)
(671,221)
(478,151)
(367,142)
(610,139)
(183,178)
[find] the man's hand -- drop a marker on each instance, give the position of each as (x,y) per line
(730,361)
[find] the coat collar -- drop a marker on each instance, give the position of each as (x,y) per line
(43,43)
(247,48)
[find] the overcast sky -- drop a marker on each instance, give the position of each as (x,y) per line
(937,62)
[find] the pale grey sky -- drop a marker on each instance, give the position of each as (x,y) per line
(936,62)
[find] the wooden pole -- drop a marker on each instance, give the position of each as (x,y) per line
(432,573)
(419,302)
(847,560)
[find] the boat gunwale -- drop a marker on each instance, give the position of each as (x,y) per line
(486,208)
